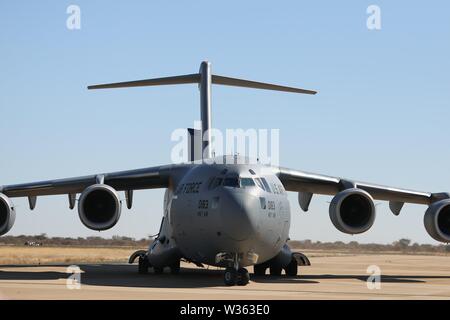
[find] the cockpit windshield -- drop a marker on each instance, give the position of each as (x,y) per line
(247,182)
(231,182)
(237,182)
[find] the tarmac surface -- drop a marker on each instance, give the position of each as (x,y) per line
(329,277)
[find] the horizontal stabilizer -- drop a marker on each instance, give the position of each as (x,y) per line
(196,78)
(256,85)
(188,78)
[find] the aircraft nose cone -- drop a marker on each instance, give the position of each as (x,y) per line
(236,215)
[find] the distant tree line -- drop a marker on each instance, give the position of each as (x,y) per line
(44,240)
(402,245)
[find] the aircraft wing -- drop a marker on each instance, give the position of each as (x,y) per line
(308,184)
(147,178)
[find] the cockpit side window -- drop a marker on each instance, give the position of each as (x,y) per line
(259,183)
(266,185)
(215,183)
(275,188)
(247,182)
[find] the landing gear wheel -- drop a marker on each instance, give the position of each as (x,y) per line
(158,270)
(242,277)
(259,270)
(143,265)
(291,268)
(275,271)
(175,268)
(230,276)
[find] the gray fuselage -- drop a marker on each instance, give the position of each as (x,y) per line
(223,208)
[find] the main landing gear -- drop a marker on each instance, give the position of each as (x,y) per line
(275,269)
(291,269)
(144,264)
(175,268)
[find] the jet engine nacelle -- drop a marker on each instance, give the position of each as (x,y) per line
(437,220)
(99,207)
(352,211)
(7,214)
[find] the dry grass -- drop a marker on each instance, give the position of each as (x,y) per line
(68,255)
(65,255)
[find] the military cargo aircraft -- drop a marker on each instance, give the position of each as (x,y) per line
(225,211)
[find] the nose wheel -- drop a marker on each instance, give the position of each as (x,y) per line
(238,277)
(230,276)
(243,277)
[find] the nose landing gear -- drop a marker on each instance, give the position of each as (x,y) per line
(233,275)
(230,276)
(243,277)
(239,277)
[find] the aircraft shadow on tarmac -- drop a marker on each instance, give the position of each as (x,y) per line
(126,276)
(122,276)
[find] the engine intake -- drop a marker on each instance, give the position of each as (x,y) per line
(437,220)
(99,207)
(7,214)
(352,211)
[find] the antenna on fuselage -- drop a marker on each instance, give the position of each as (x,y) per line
(205,79)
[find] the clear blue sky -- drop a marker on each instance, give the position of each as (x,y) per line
(381,115)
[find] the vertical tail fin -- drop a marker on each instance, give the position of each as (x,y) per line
(205,79)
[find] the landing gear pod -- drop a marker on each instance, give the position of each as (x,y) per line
(99,207)
(7,214)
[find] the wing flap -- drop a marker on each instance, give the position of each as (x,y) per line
(395,194)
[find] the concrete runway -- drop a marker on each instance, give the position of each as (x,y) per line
(332,277)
